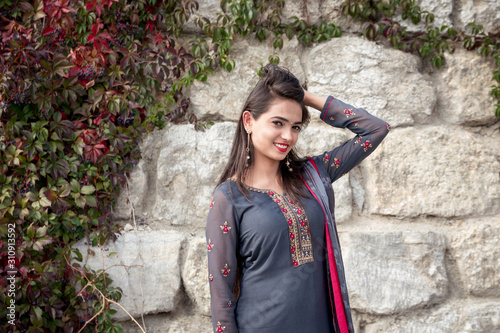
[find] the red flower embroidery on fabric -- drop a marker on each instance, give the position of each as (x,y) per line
(211,277)
(212,204)
(225,271)
(388,127)
(295,263)
(278,200)
(355,123)
(358,140)
(325,159)
(284,210)
(229,304)
(292,236)
(271,193)
(220,328)
(336,163)
(290,222)
(299,211)
(331,118)
(303,223)
(292,249)
(293,203)
(210,245)
(349,113)
(225,229)
(366,145)
(307,231)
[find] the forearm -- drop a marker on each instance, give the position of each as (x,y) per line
(313,100)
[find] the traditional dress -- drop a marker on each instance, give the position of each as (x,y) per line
(292,273)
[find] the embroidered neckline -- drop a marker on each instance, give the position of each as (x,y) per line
(261,190)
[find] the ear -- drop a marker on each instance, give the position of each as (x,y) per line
(248,120)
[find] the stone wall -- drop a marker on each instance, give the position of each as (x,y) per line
(419,220)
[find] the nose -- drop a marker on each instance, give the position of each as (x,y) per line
(287,134)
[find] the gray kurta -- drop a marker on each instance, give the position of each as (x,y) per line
(284,286)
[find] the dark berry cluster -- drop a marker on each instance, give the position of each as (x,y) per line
(130,162)
(125,121)
(129,29)
(44,113)
(108,204)
(84,181)
(90,72)
(21,97)
(21,187)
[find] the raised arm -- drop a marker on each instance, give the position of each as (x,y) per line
(369,130)
(222,244)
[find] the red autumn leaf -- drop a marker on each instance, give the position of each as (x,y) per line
(47,31)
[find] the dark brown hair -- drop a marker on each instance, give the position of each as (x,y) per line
(276,83)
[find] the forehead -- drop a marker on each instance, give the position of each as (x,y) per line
(285,108)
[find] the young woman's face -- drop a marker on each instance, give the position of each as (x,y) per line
(276,131)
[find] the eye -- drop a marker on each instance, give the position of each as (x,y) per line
(297,128)
(277,123)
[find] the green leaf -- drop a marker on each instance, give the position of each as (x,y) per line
(87,189)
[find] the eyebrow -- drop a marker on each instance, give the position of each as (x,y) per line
(288,121)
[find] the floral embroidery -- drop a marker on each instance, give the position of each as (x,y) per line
(211,277)
(229,304)
(348,113)
(225,271)
(225,229)
(298,229)
(220,328)
(331,118)
(366,145)
(212,203)
(325,159)
(358,140)
(388,127)
(210,245)
(336,163)
(355,123)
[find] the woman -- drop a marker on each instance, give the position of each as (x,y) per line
(273,253)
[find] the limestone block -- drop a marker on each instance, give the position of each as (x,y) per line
(133,196)
(172,323)
(457,317)
(315,140)
(190,324)
(391,272)
(384,81)
(206,8)
(484,12)
(195,275)
(147,269)
(464,89)
(477,255)
(331,11)
(189,166)
(225,93)
(308,10)
(432,171)
(442,10)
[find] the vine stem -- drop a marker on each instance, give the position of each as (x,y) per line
(105,300)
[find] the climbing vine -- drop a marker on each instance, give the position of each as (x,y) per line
(81,83)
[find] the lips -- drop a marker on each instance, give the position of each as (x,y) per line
(282,147)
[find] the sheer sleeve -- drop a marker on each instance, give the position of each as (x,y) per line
(369,130)
(222,244)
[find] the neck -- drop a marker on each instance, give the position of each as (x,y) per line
(264,173)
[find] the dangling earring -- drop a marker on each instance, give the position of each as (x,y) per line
(288,163)
(248,148)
